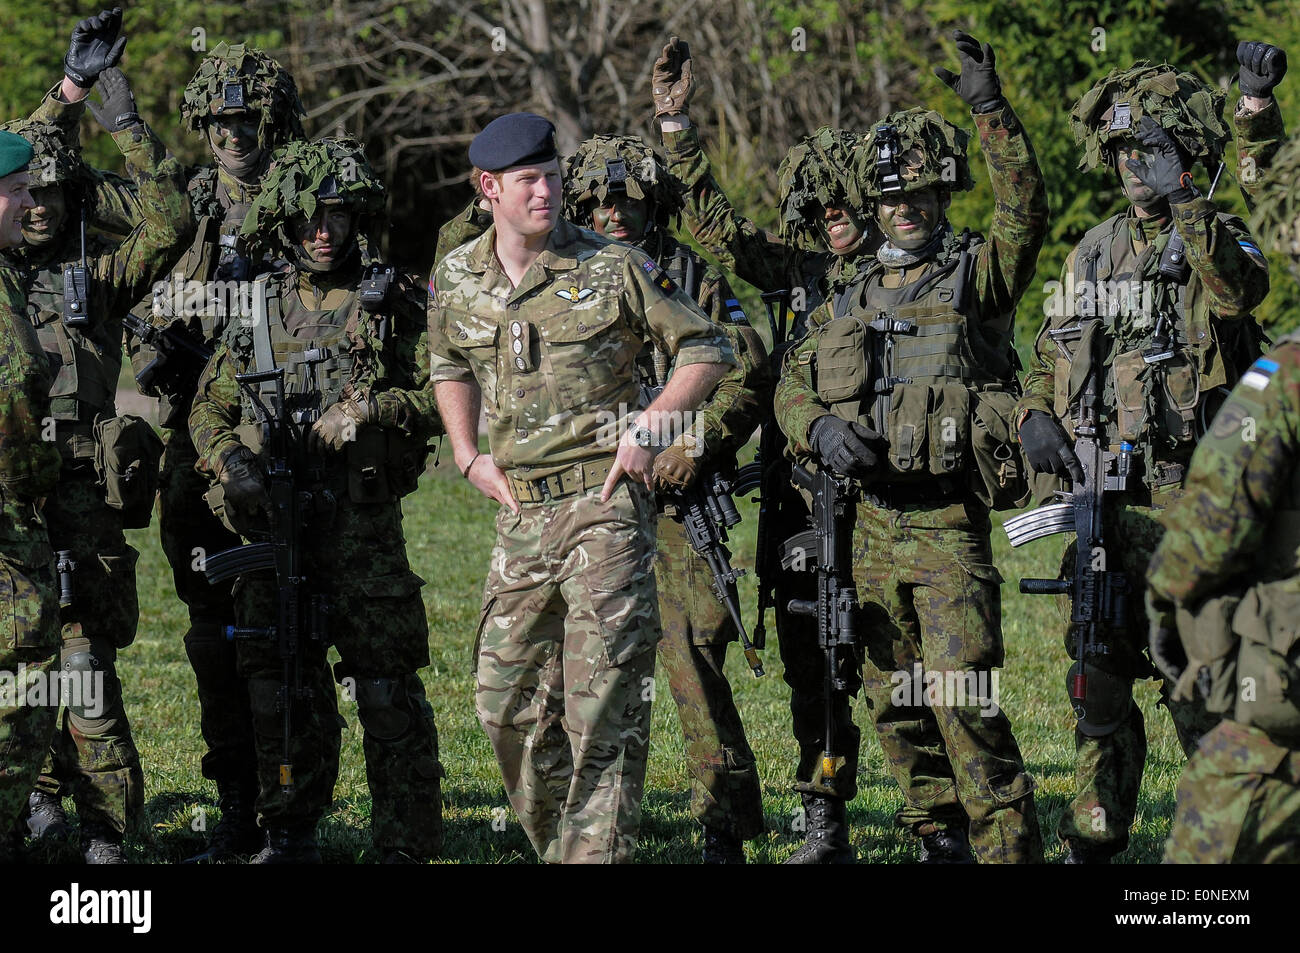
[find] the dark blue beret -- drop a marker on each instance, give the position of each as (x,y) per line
(516,139)
(15,153)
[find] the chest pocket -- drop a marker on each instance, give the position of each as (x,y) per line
(477,339)
(586,357)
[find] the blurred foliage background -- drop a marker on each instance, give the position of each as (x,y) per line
(416,79)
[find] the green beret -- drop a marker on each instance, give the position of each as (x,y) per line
(15,153)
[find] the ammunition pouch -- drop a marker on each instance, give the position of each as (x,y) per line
(1163,395)
(127,454)
(383,464)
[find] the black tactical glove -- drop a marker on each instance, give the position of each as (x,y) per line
(845,446)
(978,83)
(1167,173)
(95,47)
(118,111)
(1262,68)
(246,499)
(1166,647)
(1047,447)
(671,83)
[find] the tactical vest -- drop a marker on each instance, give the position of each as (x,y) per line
(1166,387)
(345,346)
(915,365)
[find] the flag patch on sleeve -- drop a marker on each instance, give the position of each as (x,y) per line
(659,277)
(1260,373)
(735,312)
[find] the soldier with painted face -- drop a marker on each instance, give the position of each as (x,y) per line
(825,235)
(357,382)
(618,187)
(546,322)
(79,289)
(909,387)
(29,469)
(1175,336)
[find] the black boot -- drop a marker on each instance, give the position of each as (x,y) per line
(946,847)
(237,832)
(827,840)
(100,844)
(45,818)
(289,845)
(1082,853)
(721,846)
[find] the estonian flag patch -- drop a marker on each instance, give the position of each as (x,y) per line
(1260,373)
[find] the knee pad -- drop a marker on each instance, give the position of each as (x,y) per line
(87,684)
(382,707)
(1108,700)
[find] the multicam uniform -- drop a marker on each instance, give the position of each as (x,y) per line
(93,752)
(1160,411)
(353,549)
(570,616)
(922,355)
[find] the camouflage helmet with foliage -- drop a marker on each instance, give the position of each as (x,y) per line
(54,161)
(1183,105)
(1276,220)
(815,175)
(305,175)
(587,176)
(931,151)
(263,85)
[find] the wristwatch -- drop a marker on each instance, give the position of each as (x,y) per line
(642,437)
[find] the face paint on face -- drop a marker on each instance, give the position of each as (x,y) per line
(1135,190)
(50,211)
(235,143)
(15,200)
(911,222)
(324,238)
(841,230)
(623,219)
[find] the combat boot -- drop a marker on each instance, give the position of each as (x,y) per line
(237,832)
(722,847)
(289,845)
(101,844)
(45,818)
(1082,853)
(828,832)
(946,847)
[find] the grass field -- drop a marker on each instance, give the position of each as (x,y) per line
(449,537)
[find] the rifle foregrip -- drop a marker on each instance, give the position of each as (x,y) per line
(802,607)
(1045,587)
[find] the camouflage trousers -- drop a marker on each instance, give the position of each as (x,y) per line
(1108,767)
(375,619)
(803,662)
(93,756)
(933,647)
(566,669)
(1238,801)
(186,524)
(725,791)
(29,644)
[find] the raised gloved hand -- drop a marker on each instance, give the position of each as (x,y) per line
(118,111)
(1166,174)
(244,489)
(845,446)
(1167,650)
(96,45)
(335,428)
(1262,67)
(677,464)
(978,82)
(671,82)
(1047,447)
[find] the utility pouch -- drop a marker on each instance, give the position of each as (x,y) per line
(949,428)
(842,369)
(1267,688)
(1180,390)
(1000,476)
(906,427)
(127,453)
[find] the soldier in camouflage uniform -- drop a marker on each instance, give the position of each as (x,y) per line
(80,328)
(245,105)
(1175,338)
(825,235)
(546,322)
(910,387)
(358,385)
(1224,583)
(29,467)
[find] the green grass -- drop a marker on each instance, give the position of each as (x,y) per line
(449,536)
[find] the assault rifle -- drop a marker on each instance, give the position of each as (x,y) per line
(180,357)
(825,548)
(707,511)
(1098,596)
(300,616)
